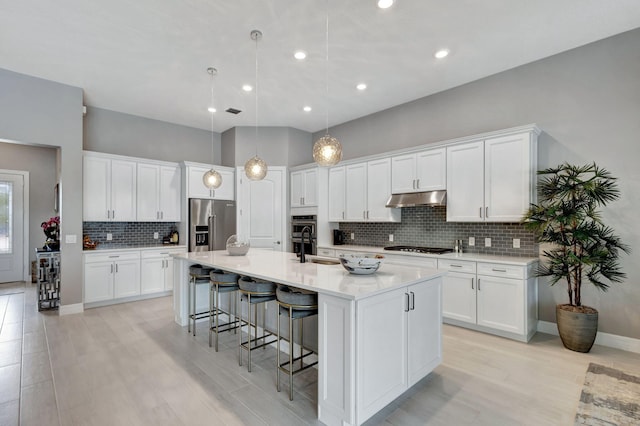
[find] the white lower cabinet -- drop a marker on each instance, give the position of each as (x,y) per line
(491,297)
(111,276)
(399,340)
(156,270)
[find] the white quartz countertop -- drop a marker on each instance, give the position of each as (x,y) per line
(506,260)
(285,268)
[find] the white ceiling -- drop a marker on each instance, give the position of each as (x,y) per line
(149,57)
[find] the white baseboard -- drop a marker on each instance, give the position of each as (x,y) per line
(76,308)
(604,339)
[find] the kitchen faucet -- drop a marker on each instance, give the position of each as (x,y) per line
(306,229)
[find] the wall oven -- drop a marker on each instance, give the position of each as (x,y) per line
(297,225)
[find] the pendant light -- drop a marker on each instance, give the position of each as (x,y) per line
(327,151)
(255,168)
(212,179)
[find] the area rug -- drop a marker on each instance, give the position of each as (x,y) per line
(609,397)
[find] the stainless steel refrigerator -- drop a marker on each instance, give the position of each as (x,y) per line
(211,222)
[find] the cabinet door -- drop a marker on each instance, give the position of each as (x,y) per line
(123,190)
(337,184)
(152,275)
(98,281)
(501,303)
(431,170)
(148,189)
(227,190)
(297,189)
(424,329)
(507,178)
(310,194)
(465,183)
(96,189)
(379,191)
(168,273)
(356,192)
(126,280)
(403,174)
(459,297)
(196,188)
(381,359)
(170,187)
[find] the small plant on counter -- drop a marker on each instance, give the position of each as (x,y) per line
(582,246)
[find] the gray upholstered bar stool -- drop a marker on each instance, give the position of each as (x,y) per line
(198,274)
(222,282)
(255,292)
(295,304)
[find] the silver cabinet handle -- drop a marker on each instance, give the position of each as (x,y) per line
(114,257)
(418,183)
(413,300)
(406,305)
(456,266)
(472,283)
(116,268)
(486,212)
(413,183)
(343,215)
(498,270)
(367,214)
(478,284)
(161,215)
(480,211)
(111,268)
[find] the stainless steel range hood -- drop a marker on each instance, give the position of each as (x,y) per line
(430,198)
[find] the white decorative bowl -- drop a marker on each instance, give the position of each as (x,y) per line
(235,247)
(361,264)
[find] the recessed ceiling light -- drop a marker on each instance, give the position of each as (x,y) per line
(361,86)
(306,109)
(385,4)
(247,87)
(300,55)
(442,53)
(211,109)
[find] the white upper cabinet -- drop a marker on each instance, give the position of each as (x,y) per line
(304,188)
(366,191)
(337,182)
(158,193)
(491,180)
(419,172)
(197,189)
(109,189)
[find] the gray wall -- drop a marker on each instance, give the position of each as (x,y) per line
(40,112)
(40,162)
(278,146)
(586,101)
(124,134)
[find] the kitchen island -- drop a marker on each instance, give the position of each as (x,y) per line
(377,334)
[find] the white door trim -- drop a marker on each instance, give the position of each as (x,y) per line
(26,271)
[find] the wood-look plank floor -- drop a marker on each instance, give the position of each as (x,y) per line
(130,364)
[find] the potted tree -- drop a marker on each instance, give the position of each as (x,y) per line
(582,247)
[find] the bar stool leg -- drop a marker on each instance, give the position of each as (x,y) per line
(189,305)
(249,330)
(193,307)
(238,296)
(216,309)
(290,353)
(278,353)
(210,310)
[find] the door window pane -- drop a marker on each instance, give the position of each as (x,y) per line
(6,220)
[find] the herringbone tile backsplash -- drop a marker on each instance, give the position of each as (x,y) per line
(427,226)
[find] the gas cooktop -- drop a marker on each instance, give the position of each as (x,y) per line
(418,249)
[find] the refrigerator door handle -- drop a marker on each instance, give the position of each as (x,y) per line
(210,231)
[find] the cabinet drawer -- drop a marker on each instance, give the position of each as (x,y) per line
(421,262)
(112,257)
(326,252)
(457,265)
(147,254)
(499,270)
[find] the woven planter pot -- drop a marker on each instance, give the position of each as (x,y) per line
(577,329)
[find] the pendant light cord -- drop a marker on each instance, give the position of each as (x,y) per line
(257,38)
(211,114)
(326,69)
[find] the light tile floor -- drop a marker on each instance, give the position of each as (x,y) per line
(130,364)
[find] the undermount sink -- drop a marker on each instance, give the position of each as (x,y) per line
(325,261)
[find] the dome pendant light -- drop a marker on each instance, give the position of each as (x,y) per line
(212,179)
(255,168)
(327,151)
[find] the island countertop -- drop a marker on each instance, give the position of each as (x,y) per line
(285,268)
